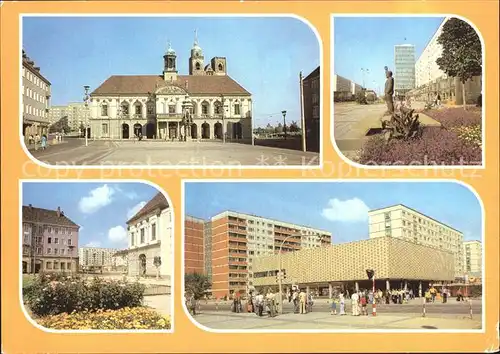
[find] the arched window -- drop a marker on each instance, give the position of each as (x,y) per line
(220,67)
(198,66)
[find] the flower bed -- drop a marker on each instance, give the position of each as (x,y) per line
(457,142)
(46,296)
(125,318)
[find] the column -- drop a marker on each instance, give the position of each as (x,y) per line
(387,285)
(144,110)
(307,289)
(356,285)
(406,285)
(330,290)
(420,288)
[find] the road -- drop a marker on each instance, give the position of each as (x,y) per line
(178,154)
(414,307)
(351,119)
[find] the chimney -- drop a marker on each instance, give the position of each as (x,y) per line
(58,211)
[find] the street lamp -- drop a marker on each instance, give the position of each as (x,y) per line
(371,276)
(280,278)
(364,71)
(86,98)
(284,122)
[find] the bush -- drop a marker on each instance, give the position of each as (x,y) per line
(361,97)
(457,142)
(125,318)
(46,297)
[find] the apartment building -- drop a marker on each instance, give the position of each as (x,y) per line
(75,112)
(312,94)
(473,258)
(98,258)
(238,238)
(404,71)
(403,222)
(49,241)
(208,249)
(194,244)
(429,78)
(35,100)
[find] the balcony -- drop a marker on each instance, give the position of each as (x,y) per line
(169,116)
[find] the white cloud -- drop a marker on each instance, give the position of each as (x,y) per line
(350,210)
(130,195)
(117,234)
(93,244)
(135,209)
(97,198)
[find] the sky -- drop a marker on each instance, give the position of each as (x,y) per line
(368,43)
(341,208)
(101,209)
(264,55)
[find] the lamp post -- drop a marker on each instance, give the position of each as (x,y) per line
(280,278)
(364,71)
(86,98)
(284,122)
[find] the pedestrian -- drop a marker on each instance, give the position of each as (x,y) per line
(31,140)
(37,140)
(44,142)
(303,300)
(295,299)
(355,304)
(334,305)
(362,301)
(192,304)
(445,295)
(310,302)
(342,304)
(270,303)
(389,91)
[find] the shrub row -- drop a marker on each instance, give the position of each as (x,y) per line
(125,318)
(49,297)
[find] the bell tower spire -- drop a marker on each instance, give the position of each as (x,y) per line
(170,64)
(196,61)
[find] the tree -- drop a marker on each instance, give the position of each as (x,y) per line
(157,264)
(361,97)
(196,284)
(82,129)
(279,129)
(462,56)
(60,126)
(294,127)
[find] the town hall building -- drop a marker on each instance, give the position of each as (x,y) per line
(206,104)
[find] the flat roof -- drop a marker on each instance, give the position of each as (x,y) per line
(416,211)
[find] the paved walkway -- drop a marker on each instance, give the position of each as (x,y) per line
(321,320)
(175,154)
(161,303)
(352,122)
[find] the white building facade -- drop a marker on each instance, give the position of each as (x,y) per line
(75,112)
(402,222)
(150,239)
(206,104)
(473,258)
(344,89)
(97,257)
(404,68)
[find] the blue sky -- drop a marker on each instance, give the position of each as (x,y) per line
(368,43)
(102,209)
(265,55)
(340,208)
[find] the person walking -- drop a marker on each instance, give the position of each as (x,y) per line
(342,304)
(303,300)
(295,299)
(334,305)
(389,91)
(355,304)
(44,142)
(310,302)
(192,304)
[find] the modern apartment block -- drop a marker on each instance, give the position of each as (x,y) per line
(208,249)
(344,89)
(194,244)
(50,241)
(402,222)
(98,258)
(36,99)
(473,258)
(312,94)
(404,71)
(75,112)
(429,78)
(238,238)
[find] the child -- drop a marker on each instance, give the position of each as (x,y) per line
(362,301)
(334,306)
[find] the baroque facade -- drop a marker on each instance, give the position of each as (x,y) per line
(150,239)
(206,104)
(50,241)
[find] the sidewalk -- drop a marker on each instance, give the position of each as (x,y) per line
(322,321)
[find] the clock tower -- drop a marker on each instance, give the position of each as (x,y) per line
(196,61)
